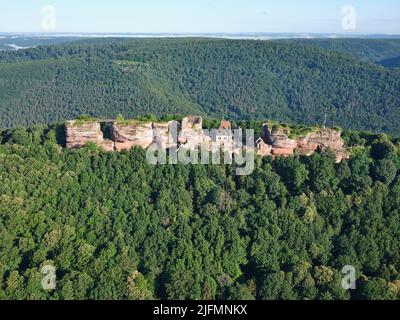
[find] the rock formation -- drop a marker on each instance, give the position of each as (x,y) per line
(107,145)
(276,142)
(130,134)
(278,137)
(189,134)
(78,133)
(323,138)
(225,125)
(127,134)
(263,149)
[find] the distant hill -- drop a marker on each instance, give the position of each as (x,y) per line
(391,63)
(372,50)
(285,81)
(16,42)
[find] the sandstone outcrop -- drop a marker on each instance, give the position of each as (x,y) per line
(276,142)
(323,138)
(263,149)
(78,133)
(278,137)
(125,135)
(130,134)
(107,145)
(189,134)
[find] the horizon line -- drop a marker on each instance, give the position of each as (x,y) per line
(197,32)
(256,34)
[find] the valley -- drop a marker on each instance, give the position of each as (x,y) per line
(286,81)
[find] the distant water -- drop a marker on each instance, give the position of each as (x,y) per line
(16,41)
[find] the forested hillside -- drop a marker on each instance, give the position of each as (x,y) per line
(277,80)
(116,227)
(391,62)
(372,50)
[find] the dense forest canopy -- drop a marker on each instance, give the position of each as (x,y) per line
(372,50)
(284,81)
(391,62)
(116,227)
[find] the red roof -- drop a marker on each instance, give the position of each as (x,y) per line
(225,125)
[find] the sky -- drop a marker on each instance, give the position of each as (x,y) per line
(200,16)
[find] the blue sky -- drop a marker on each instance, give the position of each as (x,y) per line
(151,16)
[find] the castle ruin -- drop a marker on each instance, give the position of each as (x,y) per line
(189,134)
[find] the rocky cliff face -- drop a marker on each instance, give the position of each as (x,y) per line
(126,135)
(323,138)
(79,133)
(107,145)
(279,141)
(263,149)
(131,134)
(276,142)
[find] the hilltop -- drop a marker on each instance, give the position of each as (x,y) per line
(189,134)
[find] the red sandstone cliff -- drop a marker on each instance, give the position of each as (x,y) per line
(276,142)
(78,133)
(130,134)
